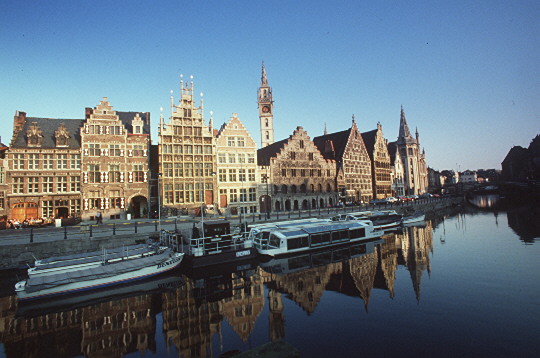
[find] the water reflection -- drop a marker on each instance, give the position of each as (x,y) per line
(194,312)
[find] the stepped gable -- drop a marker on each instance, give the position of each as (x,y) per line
(48,127)
(332,146)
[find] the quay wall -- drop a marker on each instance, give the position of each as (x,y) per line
(18,256)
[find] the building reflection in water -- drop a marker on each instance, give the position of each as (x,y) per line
(194,313)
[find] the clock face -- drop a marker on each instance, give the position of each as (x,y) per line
(266,109)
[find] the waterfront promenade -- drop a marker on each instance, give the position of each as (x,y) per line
(20,246)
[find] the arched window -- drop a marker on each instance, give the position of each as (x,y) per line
(303,188)
(328,188)
(284,189)
(293,189)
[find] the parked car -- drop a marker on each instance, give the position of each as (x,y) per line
(390,199)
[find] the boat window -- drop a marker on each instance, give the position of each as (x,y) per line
(320,239)
(340,235)
(274,241)
(357,233)
(297,242)
(326,237)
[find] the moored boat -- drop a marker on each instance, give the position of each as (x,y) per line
(55,265)
(217,245)
(107,274)
(381,220)
(278,241)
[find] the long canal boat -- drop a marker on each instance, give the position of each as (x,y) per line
(278,241)
(382,220)
(105,275)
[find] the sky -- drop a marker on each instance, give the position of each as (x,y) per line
(465,72)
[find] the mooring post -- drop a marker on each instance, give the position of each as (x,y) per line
(31,234)
(90,227)
(135,227)
(114,228)
(65,232)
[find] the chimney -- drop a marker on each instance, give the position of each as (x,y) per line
(18,122)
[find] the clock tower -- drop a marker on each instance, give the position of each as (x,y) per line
(266,111)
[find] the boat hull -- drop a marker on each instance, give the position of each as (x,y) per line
(77,286)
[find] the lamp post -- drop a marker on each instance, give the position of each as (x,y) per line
(159,202)
(264,178)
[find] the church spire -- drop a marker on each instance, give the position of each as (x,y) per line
(325,130)
(404,133)
(264,80)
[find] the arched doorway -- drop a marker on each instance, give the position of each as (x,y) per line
(139,206)
(288,205)
(330,202)
(304,204)
(321,203)
(278,206)
(313,203)
(296,205)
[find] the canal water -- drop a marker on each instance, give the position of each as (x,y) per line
(465,284)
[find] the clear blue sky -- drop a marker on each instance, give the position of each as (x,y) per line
(466,72)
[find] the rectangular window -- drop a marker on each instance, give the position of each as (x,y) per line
(61,161)
(168,170)
(233,196)
(222,175)
(178,170)
(232,175)
(207,149)
(240,142)
(241,175)
(48,161)
(33,184)
(2,176)
(241,158)
(243,195)
(138,173)
(251,174)
(222,158)
(33,161)
(94,150)
(114,173)
(75,183)
(198,149)
(293,172)
(310,156)
(47,186)
(94,201)
(75,206)
(18,185)
(252,194)
(230,142)
(138,150)
(198,170)
(61,184)
(46,208)
(18,161)
(94,175)
(115,199)
(75,161)
(283,172)
(251,158)
(188,169)
(2,205)
(232,158)
(115,150)
(208,170)
(188,149)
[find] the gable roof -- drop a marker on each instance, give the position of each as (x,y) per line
(49,126)
(369,141)
(332,146)
(392,149)
(127,117)
(270,151)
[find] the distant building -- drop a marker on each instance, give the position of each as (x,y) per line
(467,177)
(376,146)
(353,163)
(114,162)
(237,170)
(414,160)
(436,180)
(186,155)
(44,173)
(298,176)
(397,173)
(522,163)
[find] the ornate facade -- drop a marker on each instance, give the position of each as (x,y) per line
(186,155)
(397,172)
(44,168)
(237,171)
(115,152)
(414,160)
(298,176)
(353,163)
(380,162)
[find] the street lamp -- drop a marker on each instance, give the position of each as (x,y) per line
(159,202)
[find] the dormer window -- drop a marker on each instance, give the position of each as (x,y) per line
(62,136)
(34,136)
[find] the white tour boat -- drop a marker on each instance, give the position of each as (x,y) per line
(55,265)
(382,220)
(416,219)
(290,239)
(107,274)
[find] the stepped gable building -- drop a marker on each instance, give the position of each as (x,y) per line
(397,173)
(296,175)
(186,154)
(376,147)
(353,164)
(114,162)
(44,168)
(414,160)
(266,110)
(236,167)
